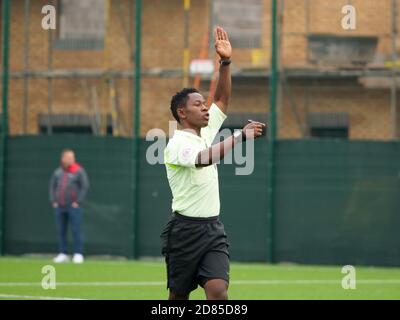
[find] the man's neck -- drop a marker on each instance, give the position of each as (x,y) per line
(194,130)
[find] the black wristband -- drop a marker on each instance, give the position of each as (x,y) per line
(226,62)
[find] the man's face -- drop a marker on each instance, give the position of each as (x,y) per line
(67,159)
(196,111)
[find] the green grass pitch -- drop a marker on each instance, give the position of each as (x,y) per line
(20,278)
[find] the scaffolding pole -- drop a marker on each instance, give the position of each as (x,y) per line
(185,62)
(136,127)
(273,91)
(393,91)
(26,66)
(50,83)
(4,119)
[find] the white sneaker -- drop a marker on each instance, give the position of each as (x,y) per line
(78,258)
(61,258)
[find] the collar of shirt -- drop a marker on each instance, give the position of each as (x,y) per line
(188,134)
(194,137)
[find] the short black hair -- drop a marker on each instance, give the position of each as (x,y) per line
(180,99)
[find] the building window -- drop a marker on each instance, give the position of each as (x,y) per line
(328,125)
(241,19)
(342,50)
(81,25)
(75,124)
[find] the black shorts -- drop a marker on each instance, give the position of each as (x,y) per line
(195,250)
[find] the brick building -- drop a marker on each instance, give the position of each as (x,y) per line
(334,82)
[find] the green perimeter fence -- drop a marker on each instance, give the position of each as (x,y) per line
(336,202)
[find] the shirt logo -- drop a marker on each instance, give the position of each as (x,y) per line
(186,154)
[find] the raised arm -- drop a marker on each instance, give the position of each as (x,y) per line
(224,85)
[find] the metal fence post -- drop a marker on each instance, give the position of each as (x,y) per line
(4,119)
(273,82)
(136,125)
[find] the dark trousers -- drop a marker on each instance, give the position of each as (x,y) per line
(72,216)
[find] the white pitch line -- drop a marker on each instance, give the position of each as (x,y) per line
(86,284)
(263,282)
(17,296)
(233,282)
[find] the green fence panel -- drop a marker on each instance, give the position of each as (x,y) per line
(244,208)
(338,202)
(154,204)
(30,221)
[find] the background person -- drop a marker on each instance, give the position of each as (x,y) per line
(68,188)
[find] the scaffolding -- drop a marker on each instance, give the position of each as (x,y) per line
(106,112)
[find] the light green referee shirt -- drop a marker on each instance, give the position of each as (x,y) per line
(195,191)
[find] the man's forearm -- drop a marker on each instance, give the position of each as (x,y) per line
(223,91)
(215,153)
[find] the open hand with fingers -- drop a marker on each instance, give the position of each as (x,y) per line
(222,44)
(253,130)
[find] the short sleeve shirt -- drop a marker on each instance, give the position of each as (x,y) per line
(195,191)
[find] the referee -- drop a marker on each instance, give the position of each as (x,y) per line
(194,242)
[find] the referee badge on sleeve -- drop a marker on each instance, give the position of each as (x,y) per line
(187,156)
